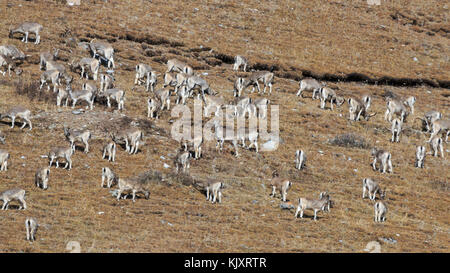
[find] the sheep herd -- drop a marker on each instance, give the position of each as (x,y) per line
(181,81)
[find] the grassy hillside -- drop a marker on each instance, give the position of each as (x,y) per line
(403,41)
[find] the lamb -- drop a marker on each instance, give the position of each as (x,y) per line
(385,160)
(27,28)
(110,149)
(60,152)
(73,135)
(109,176)
(313,204)
(373,188)
(4,156)
(380,211)
(41,178)
(420,156)
(18,112)
(31,227)
(280,184)
(11,195)
(309,84)
(215,187)
(133,185)
(240,61)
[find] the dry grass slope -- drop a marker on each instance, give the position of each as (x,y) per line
(343,42)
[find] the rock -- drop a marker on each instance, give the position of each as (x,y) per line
(388,240)
(166,166)
(287,205)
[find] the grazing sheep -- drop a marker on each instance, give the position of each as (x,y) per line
(373,188)
(396,129)
(50,76)
(238,86)
(183,161)
(313,204)
(420,156)
(60,152)
(116,94)
(280,184)
(133,186)
(380,211)
(41,178)
(395,106)
(109,176)
(2,138)
(86,95)
(436,146)
(300,159)
(11,195)
(131,137)
(73,135)
(87,63)
(164,97)
(240,61)
(328,94)
(103,49)
(215,188)
(6,62)
(438,126)
(106,82)
(63,93)
(27,28)
(4,156)
(31,227)
(153,108)
(253,80)
(18,112)
(385,160)
(309,84)
(110,149)
(45,57)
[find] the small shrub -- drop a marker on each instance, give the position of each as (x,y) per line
(351,141)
